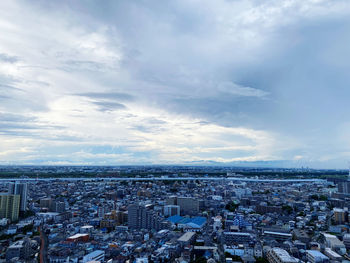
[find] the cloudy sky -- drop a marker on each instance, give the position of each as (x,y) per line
(184,81)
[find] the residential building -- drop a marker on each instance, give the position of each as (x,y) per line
(9,206)
(97,255)
(142,217)
(279,255)
(22,190)
(171,210)
(314,256)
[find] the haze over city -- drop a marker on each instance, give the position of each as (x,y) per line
(253,83)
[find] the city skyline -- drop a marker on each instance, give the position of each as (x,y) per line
(255,83)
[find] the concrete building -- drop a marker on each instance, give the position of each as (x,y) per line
(263,209)
(78,238)
(59,207)
(279,236)
(188,205)
(332,254)
(278,255)
(346,241)
(9,206)
(258,250)
(217,223)
(95,256)
(171,210)
(20,249)
(237,237)
(314,256)
(22,190)
(334,243)
(171,200)
(142,217)
(186,238)
(344,187)
(46,203)
(340,215)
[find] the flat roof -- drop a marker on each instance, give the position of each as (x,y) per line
(17,244)
(95,253)
(186,237)
(316,254)
(332,253)
(284,255)
(77,236)
(237,233)
(205,248)
(278,233)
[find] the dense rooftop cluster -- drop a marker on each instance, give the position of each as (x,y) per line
(176,221)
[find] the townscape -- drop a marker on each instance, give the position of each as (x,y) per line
(183,131)
(180,220)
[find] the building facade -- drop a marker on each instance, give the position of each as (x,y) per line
(142,217)
(9,206)
(20,189)
(171,210)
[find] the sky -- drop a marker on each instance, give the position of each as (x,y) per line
(226,82)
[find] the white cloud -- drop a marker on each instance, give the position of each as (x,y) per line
(178,82)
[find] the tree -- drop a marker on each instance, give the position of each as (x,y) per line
(200,260)
(231,206)
(323,198)
(261,260)
(234,257)
(314,197)
(287,208)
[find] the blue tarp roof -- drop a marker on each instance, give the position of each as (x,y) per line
(175,219)
(199,220)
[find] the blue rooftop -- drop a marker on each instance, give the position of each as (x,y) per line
(175,219)
(199,220)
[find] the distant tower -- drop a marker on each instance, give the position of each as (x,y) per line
(349,171)
(20,189)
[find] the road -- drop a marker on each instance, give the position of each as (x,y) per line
(43,246)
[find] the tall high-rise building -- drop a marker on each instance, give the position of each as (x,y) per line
(340,215)
(171,210)
(171,200)
(344,187)
(9,206)
(188,205)
(22,190)
(142,217)
(101,211)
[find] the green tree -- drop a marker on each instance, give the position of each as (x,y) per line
(261,260)
(231,206)
(287,208)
